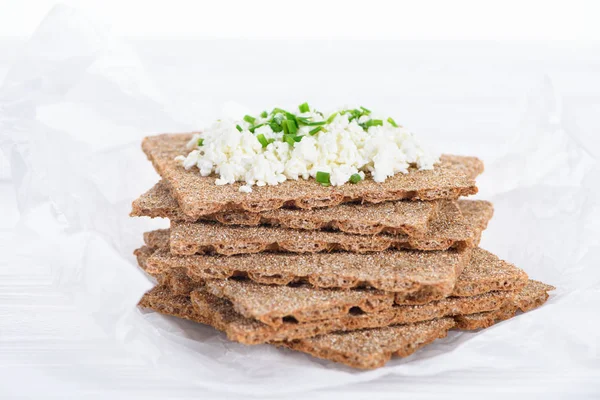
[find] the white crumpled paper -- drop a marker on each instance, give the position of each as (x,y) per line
(72,112)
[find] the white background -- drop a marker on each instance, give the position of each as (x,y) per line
(524,100)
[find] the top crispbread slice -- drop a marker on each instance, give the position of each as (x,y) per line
(370,348)
(408,217)
(447,229)
(197,195)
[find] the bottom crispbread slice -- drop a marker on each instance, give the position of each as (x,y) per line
(367,348)
(533,295)
(221,314)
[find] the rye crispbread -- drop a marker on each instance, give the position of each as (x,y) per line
(411,273)
(223,316)
(366,349)
(400,340)
(373,348)
(355,348)
(272,304)
(533,295)
(447,230)
(408,217)
(197,195)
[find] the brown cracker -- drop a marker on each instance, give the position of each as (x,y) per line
(357,349)
(250,331)
(408,217)
(372,348)
(532,296)
(272,304)
(197,195)
(447,230)
(409,272)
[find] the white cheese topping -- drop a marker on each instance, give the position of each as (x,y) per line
(342,148)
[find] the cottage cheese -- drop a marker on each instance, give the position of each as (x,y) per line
(343,148)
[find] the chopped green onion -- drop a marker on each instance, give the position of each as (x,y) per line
(323,178)
(264,114)
(291,124)
(275,127)
(263,140)
(366,111)
(304,107)
(278,111)
(279,117)
(304,120)
(249,119)
(392,122)
(284,125)
(332,117)
(239,128)
(289,139)
(200,142)
(254,127)
(372,122)
(355,178)
(315,131)
(315,123)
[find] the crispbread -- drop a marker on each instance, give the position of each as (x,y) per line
(197,195)
(401,340)
(411,273)
(372,348)
(533,295)
(447,230)
(176,279)
(356,349)
(272,304)
(408,217)
(223,316)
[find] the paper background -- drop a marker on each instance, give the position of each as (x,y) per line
(77,101)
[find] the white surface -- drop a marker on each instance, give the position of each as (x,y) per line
(75,104)
(381,19)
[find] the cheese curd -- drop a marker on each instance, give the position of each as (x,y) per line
(342,148)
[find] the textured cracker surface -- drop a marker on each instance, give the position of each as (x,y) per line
(223,316)
(404,271)
(408,217)
(372,348)
(271,303)
(356,348)
(197,195)
(447,230)
(532,296)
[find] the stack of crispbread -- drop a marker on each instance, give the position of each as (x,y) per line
(354,273)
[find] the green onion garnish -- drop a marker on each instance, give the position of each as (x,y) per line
(249,119)
(314,123)
(304,107)
(239,128)
(373,122)
(200,142)
(275,127)
(264,114)
(332,117)
(355,178)
(392,122)
(263,140)
(315,131)
(291,125)
(303,120)
(289,139)
(254,127)
(323,178)
(366,111)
